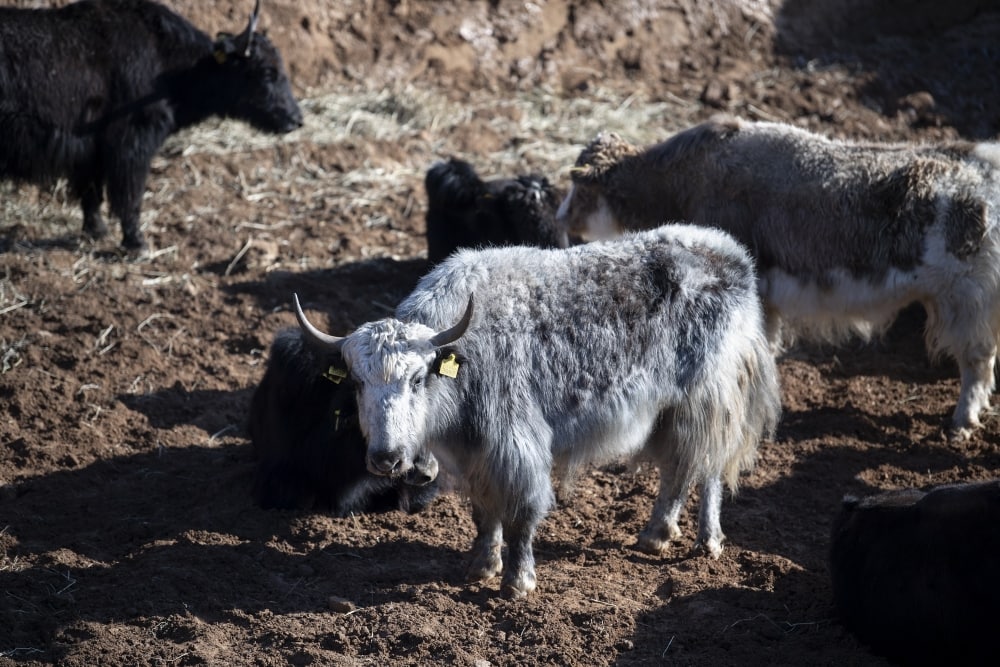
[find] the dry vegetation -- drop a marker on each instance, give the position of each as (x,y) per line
(127,535)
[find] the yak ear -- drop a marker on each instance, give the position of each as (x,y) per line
(223,47)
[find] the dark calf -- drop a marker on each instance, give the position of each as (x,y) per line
(463,211)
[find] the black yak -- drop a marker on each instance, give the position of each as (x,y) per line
(90,91)
(914,573)
(463,211)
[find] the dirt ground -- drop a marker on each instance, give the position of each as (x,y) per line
(127,532)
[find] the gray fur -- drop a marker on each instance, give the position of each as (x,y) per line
(844,234)
(650,345)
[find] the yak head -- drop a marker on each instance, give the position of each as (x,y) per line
(254,80)
(585,209)
(390,361)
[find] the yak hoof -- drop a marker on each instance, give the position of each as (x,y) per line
(519,588)
(657,541)
(958,434)
(711,547)
(483,568)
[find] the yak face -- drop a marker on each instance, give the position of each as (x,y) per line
(585,212)
(389,362)
(257,84)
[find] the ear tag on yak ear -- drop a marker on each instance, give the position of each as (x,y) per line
(449,366)
(334,374)
(336,419)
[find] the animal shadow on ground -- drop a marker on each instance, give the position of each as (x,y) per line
(14,239)
(214,412)
(175,532)
(351,294)
(783,602)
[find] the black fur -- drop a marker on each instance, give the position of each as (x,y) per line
(90,91)
(310,449)
(463,211)
(915,574)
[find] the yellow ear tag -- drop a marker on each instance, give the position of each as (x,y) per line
(220,56)
(334,374)
(336,423)
(449,366)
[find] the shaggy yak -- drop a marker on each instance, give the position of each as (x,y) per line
(653,344)
(90,91)
(464,211)
(844,234)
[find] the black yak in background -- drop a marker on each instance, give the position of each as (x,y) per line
(463,211)
(90,91)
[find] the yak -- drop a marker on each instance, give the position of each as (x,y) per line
(465,211)
(914,572)
(650,345)
(303,424)
(90,91)
(845,234)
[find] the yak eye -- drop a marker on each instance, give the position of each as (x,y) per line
(417,381)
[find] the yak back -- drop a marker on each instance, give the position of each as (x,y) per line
(566,333)
(806,203)
(914,572)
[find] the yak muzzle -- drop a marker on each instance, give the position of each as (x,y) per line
(423,472)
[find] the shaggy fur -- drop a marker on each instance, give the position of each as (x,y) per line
(915,576)
(651,345)
(90,91)
(310,451)
(464,211)
(845,234)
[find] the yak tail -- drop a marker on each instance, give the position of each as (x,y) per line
(735,404)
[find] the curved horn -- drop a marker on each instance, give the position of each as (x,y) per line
(322,340)
(245,39)
(451,335)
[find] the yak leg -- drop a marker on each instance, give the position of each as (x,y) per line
(486,561)
(662,527)
(90,200)
(125,190)
(519,577)
(710,537)
(976,366)
(141,135)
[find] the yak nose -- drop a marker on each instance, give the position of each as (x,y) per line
(423,472)
(385,463)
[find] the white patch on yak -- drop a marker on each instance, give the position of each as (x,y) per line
(599,223)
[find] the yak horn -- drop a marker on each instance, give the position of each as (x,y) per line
(322,340)
(245,40)
(451,335)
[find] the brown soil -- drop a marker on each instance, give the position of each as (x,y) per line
(127,533)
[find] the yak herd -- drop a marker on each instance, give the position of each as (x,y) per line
(639,315)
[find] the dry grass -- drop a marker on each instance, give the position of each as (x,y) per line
(284,180)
